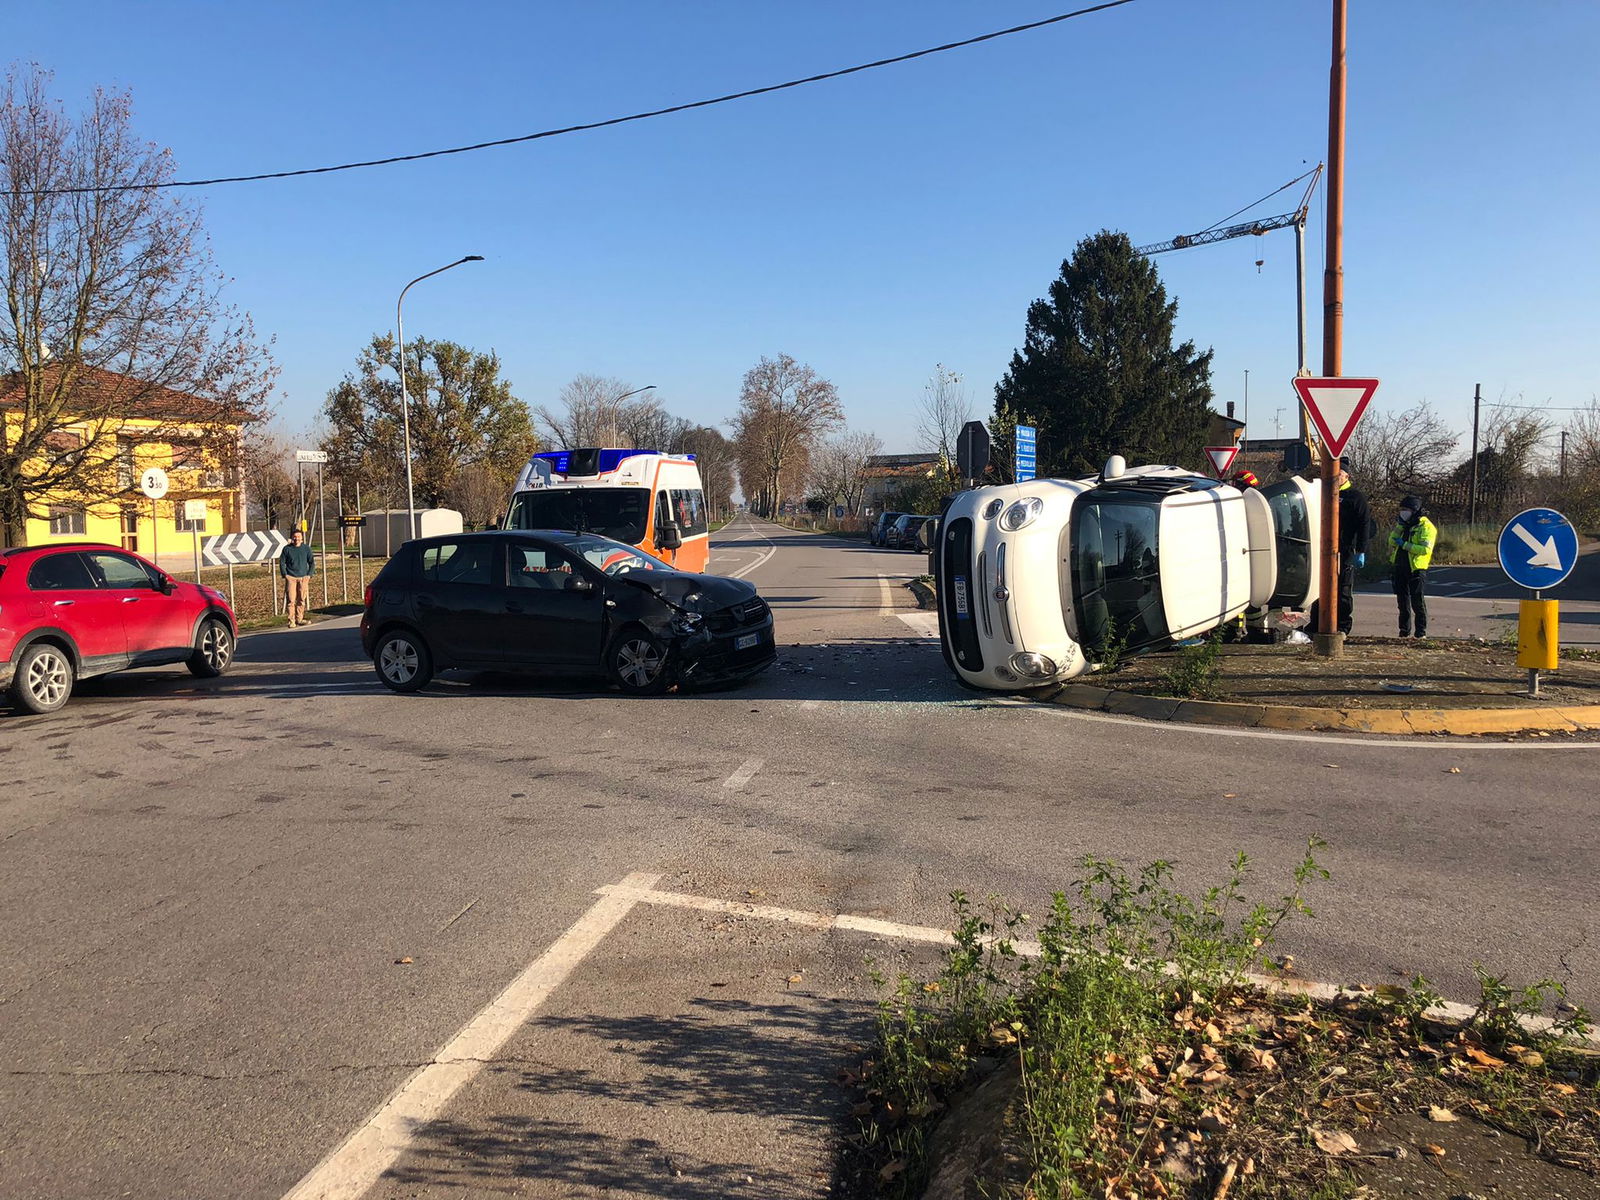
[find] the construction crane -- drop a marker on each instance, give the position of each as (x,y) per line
(1295,220)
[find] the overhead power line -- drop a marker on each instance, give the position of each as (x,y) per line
(590,125)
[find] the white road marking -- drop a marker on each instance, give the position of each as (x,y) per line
(745,773)
(772,548)
(351,1169)
(647,894)
(925,623)
(885,597)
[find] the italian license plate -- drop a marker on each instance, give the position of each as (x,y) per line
(962,608)
(745,642)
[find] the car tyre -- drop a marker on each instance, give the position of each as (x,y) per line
(636,661)
(402,661)
(44,678)
(213,649)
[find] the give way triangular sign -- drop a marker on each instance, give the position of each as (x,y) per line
(1222,458)
(1335,406)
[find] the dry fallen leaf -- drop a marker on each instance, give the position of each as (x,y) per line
(1334,1141)
(794,979)
(1230,795)
(400,962)
(1483,1058)
(1435,1113)
(1436,1151)
(891,1169)
(1453,771)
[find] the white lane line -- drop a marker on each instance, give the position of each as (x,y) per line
(885,597)
(746,772)
(772,548)
(647,894)
(925,623)
(351,1169)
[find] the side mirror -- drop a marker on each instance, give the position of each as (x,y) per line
(165,585)
(576,583)
(669,536)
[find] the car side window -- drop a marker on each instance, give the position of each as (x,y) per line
(60,572)
(536,567)
(118,571)
(459,562)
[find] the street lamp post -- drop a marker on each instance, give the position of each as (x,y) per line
(405,400)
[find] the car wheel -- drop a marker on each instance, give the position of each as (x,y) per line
(637,663)
(402,661)
(44,678)
(213,650)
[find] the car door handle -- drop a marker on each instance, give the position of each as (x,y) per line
(65,603)
(130,599)
(425,602)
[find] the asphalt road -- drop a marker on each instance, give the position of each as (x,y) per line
(243,916)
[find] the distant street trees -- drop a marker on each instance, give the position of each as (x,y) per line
(1098,372)
(839,469)
(464,419)
(112,305)
(1392,452)
(596,411)
(714,455)
(941,412)
(785,409)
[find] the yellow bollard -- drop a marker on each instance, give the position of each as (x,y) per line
(1538,644)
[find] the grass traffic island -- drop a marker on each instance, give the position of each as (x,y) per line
(1132,1053)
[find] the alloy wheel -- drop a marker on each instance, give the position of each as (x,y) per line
(398,661)
(639,662)
(216,647)
(49,677)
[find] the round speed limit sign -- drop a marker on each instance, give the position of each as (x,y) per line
(153,483)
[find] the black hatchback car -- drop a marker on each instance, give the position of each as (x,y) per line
(559,603)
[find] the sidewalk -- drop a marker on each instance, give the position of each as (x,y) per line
(1380,685)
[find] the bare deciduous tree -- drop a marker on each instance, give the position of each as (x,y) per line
(839,471)
(112,306)
(597,411)
(784,409)
(1393,452)
(714,455)
(942,411)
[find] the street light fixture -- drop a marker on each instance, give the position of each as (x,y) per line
(405,400)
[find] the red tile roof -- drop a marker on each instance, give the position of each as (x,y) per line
(106,393)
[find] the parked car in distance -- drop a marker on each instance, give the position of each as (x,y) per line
(71,611)
(550,602)
(880,527)
(903,533)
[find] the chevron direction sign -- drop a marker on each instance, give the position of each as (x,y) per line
(226,549)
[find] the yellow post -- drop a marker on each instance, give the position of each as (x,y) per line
(1538,639)
(1537,634)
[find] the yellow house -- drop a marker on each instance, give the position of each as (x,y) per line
(101,456)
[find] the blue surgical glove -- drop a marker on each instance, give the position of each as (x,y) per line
(1361,561)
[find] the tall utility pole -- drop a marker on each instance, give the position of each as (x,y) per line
(1329,642)
(1472,499)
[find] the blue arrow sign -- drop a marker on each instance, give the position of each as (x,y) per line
(1027,453)
(1538,548)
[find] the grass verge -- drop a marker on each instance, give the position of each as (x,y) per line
(1129,1052)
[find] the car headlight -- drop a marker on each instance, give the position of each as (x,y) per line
(992,509)
(1033,666)
(1021,513)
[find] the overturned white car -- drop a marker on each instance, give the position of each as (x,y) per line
(1039,581)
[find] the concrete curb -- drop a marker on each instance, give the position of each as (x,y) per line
(1299,718)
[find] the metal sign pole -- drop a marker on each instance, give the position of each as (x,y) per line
(338,504)
(361,562)
(322,534)
(155,543)
(196,533)
(232,603)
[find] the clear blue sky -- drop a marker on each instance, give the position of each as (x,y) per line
(875,225)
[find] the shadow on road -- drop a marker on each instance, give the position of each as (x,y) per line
(717,1059)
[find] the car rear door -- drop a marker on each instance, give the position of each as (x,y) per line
(550,620)
(65,596)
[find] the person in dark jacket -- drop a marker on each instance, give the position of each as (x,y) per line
(1355,526)
(1411,544)
(296,565)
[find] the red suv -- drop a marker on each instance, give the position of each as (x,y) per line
(71,611)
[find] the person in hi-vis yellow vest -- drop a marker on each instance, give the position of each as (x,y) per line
(1411,543)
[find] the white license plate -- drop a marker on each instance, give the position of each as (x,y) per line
(962,610)
(745,642)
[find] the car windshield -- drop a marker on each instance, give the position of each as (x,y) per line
(613,557)
(618,513)
(1112,575)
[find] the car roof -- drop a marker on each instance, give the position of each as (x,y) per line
(491,535)
(18,552)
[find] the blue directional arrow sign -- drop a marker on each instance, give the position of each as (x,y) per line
(1027,452)
(1538,548)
